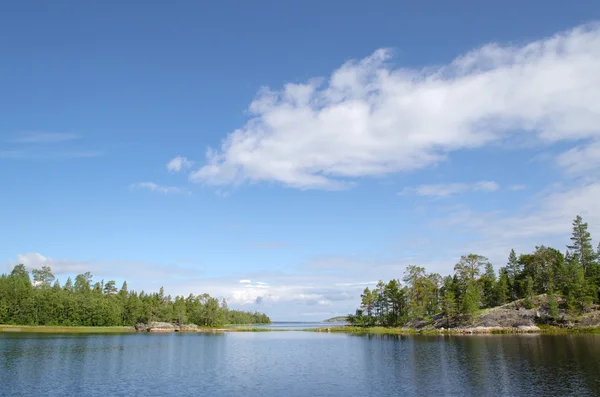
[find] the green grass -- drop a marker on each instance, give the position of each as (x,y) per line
(367,330)
(553,330)
(63,330)
(255,329)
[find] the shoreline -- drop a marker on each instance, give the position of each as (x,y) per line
(350,330)
(537,330)
(59,329)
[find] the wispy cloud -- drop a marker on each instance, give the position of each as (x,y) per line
(153,187)
(144,272)
(582,159)
(449,189)
(369,118)
(545,219)
(179,163)
(45,137)
(517,187)
(36,154)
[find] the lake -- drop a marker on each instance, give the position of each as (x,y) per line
(298,364)
(295,325)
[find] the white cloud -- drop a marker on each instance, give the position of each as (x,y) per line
(179,163)
(449,189)
(546,220)
(153,187)
(371,119)
(150,273)
(245,281)
(582,159)
(34,260)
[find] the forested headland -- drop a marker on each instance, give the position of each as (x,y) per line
(39,299)
(560,285)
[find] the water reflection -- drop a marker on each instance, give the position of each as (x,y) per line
(298,364)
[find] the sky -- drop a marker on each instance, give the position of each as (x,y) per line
(285,155)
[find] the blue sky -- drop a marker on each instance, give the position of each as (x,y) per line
(309,148)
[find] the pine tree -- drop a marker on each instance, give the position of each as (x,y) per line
(415,278)
(471,300)
(513,270)
(528,291)
(489,286)
(502,288)
(468,268)
(581,245)
(367,304)
(449,304)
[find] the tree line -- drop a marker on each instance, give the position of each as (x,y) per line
(570,280)
(43,301)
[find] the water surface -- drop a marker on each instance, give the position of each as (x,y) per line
(298,364)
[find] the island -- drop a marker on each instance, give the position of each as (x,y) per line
(542,291)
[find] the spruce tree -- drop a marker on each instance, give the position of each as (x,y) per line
(489,286)
(449,304)
(502,288)
(581,245)
(512,270)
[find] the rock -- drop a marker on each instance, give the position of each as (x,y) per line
(161,327)
(528,328)
(188,328)
(141,327)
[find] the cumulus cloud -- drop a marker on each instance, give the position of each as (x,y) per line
(370,118)
(449,189)
(153,187)
(179,163)
(245,281)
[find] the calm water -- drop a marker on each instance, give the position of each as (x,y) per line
(290,325)
(298,364)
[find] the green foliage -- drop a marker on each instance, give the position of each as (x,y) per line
(471,299)
(502,289)
(513,269)
(449,304)
(581,245)
(23,302)
(488,284)
(469,266)
(575,275)
(552,306)
(528,291)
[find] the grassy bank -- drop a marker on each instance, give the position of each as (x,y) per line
(42,329)
(368,330)
(252,329)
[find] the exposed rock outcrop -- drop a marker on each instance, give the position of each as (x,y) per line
(157,326)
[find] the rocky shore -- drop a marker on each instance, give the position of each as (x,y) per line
(512,318)
(156,326)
